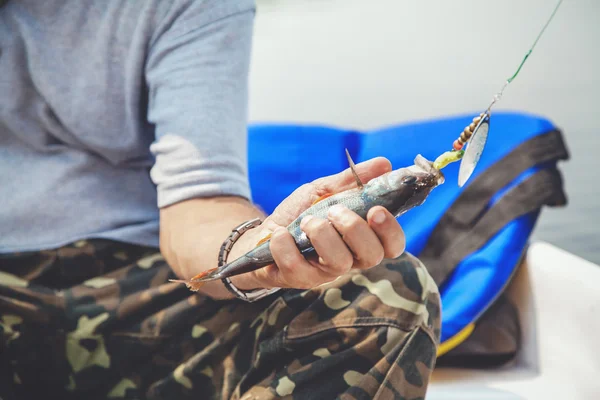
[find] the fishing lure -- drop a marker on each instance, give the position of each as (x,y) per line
(398,191)
(476,133)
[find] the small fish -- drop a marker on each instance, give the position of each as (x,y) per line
(398,191)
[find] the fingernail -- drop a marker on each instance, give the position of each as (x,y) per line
(378,217)
(305,221)
(336,211)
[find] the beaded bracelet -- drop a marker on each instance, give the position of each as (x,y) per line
(246,295)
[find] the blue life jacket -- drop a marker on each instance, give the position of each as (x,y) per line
(471,239)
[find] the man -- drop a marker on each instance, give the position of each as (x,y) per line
(122,129)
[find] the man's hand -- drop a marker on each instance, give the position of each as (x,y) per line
(192,232)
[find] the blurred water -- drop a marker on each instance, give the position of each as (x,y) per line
(364,64)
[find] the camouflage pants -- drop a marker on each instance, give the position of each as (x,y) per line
(99,320)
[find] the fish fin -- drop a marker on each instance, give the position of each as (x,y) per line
(353,169)
(193,286)
(197,281)
(261,241)
(204,274)
(322,198)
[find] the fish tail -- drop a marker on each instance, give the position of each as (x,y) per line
(193,286)
(199,280)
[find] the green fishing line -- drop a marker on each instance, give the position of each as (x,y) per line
(534,43)
(498,95)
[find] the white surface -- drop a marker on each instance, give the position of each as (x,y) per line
(368,63)
(558,296)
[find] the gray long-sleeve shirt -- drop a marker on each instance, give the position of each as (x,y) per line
(112,109)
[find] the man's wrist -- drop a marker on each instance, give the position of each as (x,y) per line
(244,244)
(246,282)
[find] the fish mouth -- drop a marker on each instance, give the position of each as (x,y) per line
(432,176)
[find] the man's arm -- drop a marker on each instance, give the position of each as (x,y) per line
(197,73)
(192,231)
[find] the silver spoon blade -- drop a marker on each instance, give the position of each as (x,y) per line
(474,150)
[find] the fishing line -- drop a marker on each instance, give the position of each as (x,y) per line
(498,95)
(457,153)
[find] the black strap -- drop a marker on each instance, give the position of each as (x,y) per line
(469,223)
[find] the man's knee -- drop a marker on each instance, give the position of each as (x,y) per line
(383,322)
(398,293)
(405,291)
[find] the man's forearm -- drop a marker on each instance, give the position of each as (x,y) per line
(192,231)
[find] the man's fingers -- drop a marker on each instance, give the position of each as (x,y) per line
(334,256)
(388,230)
(360,238)
(344,241)
(293,270)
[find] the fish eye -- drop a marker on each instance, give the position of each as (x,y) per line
(409,180)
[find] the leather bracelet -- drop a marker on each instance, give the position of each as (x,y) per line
(246,295)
